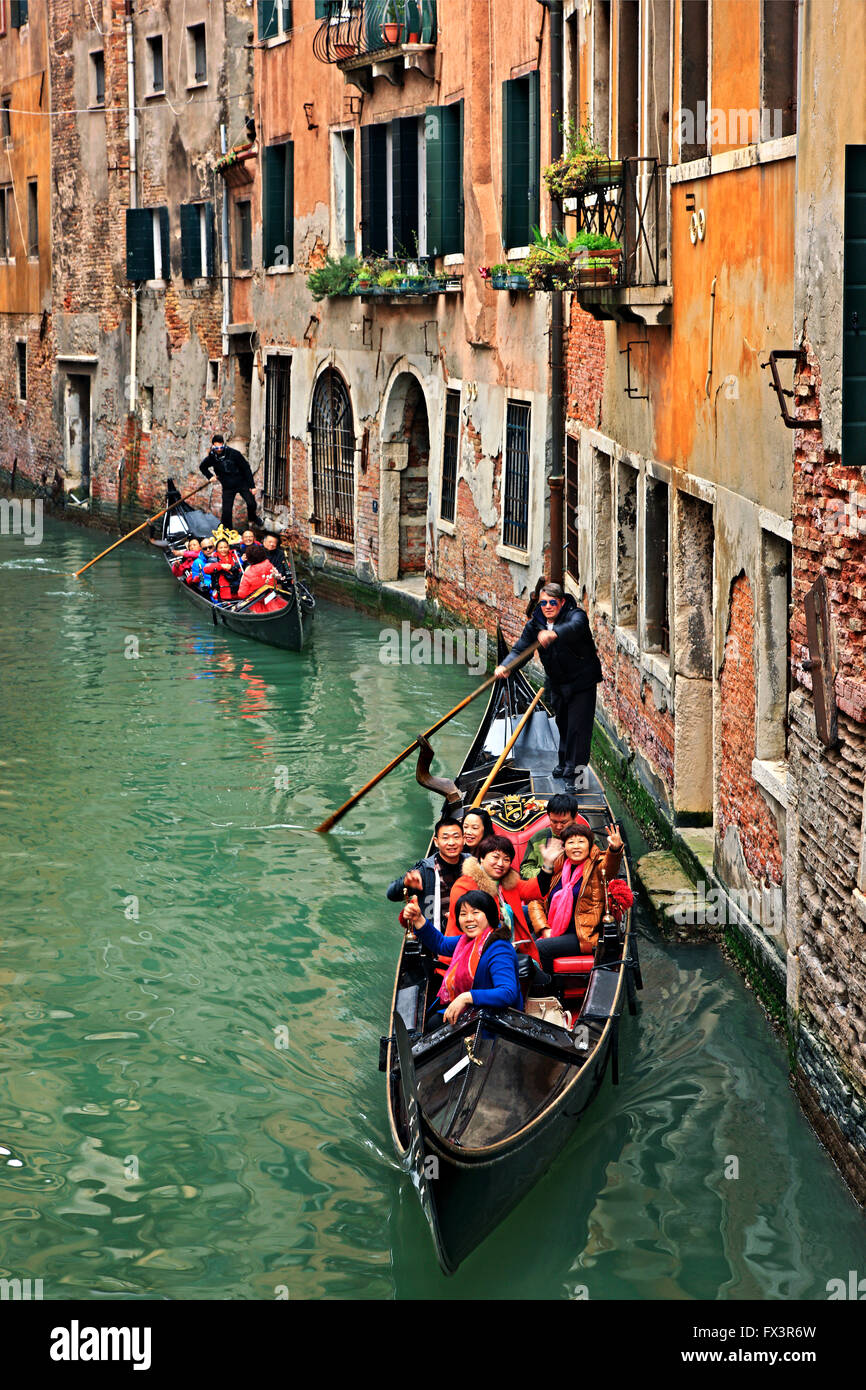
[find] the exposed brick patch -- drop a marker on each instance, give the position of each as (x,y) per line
(741,803)
(585,360)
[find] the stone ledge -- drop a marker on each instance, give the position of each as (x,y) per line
(670,891)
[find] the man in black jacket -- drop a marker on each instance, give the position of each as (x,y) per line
(235,476)
(567,653)
(432,879)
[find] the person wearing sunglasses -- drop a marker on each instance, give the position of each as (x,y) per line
(567,653)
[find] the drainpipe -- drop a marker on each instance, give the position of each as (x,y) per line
(557,372)
(224,263)
(133,193)
(710,349)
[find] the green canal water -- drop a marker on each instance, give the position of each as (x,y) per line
(193,985)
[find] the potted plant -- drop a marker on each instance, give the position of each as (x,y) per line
(600,250)
(517,277)
(392,25)
(363,277)
(335,277)
(390,280)
(583,165)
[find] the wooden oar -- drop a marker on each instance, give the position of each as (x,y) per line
(395,762)
(506,750)
(142,526)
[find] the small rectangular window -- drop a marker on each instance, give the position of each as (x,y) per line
(572,494)
(6,119)
(244,225)
(278,201)
(778,68)
(656,615)
(156,75)
(18,13)
(21,362)
(213,380)
(626,546)
(33,218)
(450,456)
(6,222)
(602,525)
(97,78)
(515,517)
(197,240)
(197,42)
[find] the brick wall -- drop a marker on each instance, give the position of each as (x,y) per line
(584,365)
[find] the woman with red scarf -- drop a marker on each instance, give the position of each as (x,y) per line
(483,969)
(226,572)
(258,574)
(489,869)
(576,907)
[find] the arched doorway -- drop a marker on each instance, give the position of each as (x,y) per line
(405,481)
(332,432)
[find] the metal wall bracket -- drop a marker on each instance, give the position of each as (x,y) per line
(632,391)
(793,355)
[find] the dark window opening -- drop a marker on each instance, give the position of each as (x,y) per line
(19,13)
(6,118)
(21,362)
(657,634)
(277,437)
(626,547)
(33,218)
(6,223)
(157,74)
(450,456)
(693,83)
(198,52)
(244,225)
(515,519)
(778,68)
(628,50)
(332,434)
(97,68)
(572,486)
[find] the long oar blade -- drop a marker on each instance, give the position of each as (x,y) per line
(141,527)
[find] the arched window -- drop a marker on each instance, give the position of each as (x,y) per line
(333,439)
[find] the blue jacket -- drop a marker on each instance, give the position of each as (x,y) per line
(197,574)
(496,985)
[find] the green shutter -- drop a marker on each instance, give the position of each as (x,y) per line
(434,142)
(267,19)
(289,200)
(190,241)
(515,162)
(18,13)
(287,15)
(139,244)
(165,243)
(273,201)
(461,198)
(404,196)
(210,238)
(854,302)
(374,191)
(534,152)
(323,9)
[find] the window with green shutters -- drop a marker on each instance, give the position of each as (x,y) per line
(521,159)
(392,223)
(147,244)
(197,226)
(278,204)
(18,13)
(374,190)
(443,137)
(854,311)
(275,18)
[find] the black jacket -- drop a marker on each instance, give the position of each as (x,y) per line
(427,896)
(571,662)
(230,467)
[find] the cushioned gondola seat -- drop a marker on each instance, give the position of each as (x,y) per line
(573,965)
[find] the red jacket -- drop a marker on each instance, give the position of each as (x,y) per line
(226,579)
(254,577)
(515,890)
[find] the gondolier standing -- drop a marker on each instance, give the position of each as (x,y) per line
(235,476)
(567,653)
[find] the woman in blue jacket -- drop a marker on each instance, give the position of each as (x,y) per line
(483,970)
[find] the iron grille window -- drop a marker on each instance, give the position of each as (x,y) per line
(515,522)
(449,455)
(277,400)
(332,433)
(572,454)
(21,363)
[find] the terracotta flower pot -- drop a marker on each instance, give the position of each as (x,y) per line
(391,33)
(414,38)
(344,50)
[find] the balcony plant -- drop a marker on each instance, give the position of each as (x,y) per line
(335,277)
(392,23)
(390,279)
(583,165)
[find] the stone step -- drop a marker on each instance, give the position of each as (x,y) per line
(671,892)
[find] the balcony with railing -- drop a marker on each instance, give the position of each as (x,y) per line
(626,202)
(377,38)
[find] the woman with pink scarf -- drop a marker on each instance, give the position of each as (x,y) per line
(576,907)
(483,969)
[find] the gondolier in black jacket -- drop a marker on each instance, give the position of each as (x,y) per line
(235,476)
(567,653)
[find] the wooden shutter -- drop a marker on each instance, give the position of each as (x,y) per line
(190,241)
(165,243)
(323,9)
(289,200)
(18,13)
(210,238)
(139,244)
(444,162)
(854,311)
(287,15)
(434,158)
(274,201)
(533,209)
(374,193)
(404,166)
(267,19)
(516,203)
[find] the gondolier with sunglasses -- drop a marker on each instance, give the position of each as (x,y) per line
(235,476)
(570,660)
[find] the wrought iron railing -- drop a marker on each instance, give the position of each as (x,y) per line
(355,28)
(631,207)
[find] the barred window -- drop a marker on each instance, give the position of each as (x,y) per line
(332,433)
(277,438)
(515,520)
(572,456)
(449,455)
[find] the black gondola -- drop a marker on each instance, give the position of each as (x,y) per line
(479,1110)
(287,627)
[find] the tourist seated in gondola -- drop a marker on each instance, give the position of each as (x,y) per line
(241,548)
(561,811)
(477,824)
(225,571)
(197,575)
(183,559)
(576,908)
(482,972)
(490,869)
(433,878)
(278,558)
(260,574)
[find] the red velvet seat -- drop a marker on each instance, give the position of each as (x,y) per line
(573,965)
